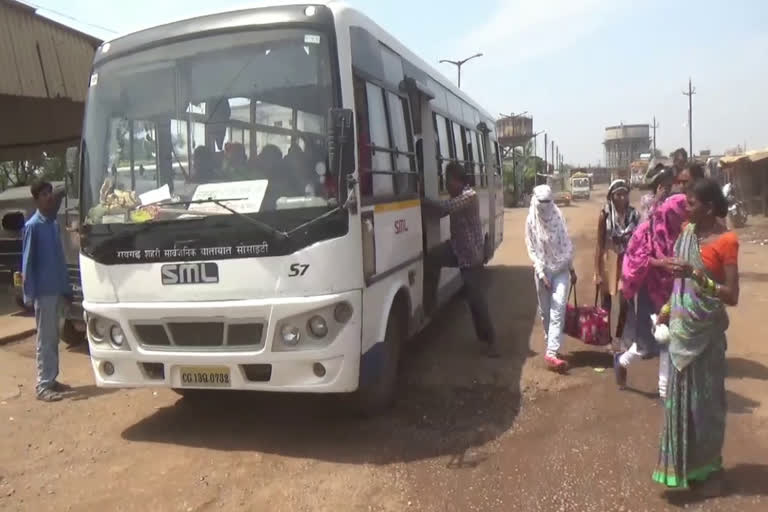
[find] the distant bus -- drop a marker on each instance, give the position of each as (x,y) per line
(251,201)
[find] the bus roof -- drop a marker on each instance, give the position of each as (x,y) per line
(273,12)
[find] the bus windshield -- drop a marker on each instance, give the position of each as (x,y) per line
(214,125)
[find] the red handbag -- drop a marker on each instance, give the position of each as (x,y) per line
(589,324)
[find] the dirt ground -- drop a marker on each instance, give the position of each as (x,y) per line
(468,433)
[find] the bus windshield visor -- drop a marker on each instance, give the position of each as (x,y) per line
(216,125)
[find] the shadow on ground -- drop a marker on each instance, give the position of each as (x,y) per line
(740,368)
(739,404)
(451,398)
(87,392)
(744,480)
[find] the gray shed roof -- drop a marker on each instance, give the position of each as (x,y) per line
(44,82)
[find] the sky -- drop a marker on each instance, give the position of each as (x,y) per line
(576,66)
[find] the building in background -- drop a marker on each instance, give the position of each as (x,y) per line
(624,144)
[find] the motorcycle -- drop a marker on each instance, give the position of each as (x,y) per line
(737,211)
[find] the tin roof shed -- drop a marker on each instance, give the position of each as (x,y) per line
(43,83)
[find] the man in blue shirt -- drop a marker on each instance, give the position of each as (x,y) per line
(46,285)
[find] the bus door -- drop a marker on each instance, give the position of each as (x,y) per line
(426,137)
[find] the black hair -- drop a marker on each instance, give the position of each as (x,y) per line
(38,187)
(659,166)
(680,151)
(663,174)
(696,171)
(708,191)
(456,170)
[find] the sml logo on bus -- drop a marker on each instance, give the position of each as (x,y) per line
(400,226)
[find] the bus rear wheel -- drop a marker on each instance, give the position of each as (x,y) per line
(376,391)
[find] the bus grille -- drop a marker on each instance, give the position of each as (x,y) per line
(197,335)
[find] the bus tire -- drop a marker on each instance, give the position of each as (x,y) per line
(70,335)
(376,394)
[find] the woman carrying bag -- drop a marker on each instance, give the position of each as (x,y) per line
(616,223)
(551,251)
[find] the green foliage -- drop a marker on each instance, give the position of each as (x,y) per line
(22,172)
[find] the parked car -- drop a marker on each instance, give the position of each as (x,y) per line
(16,206)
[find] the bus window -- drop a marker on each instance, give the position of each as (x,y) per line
(481,159)
(363,138)
(382,161)
(474,144)
(443,149)
(458,142)
(402,143)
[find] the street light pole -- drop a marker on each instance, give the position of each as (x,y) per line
(459,63)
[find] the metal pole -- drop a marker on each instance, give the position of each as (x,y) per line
(546,171)
(691,91)
(459,66)
(553,156)
(654,126)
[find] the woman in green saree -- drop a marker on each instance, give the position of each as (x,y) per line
(706,270)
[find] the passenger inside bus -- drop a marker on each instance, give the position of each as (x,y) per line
(235,161)
(203,164)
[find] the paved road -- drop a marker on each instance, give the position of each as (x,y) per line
(467,434)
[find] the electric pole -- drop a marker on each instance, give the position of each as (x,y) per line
(691,91)
(546,169)
(553,157)
(654,126)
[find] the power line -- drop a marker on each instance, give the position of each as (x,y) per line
(70,18)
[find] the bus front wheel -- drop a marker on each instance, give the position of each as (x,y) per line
(378,376)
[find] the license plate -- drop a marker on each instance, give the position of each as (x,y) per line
(204,377)
(17,279)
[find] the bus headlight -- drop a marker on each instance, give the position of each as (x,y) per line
(318,326)
(98,328)
(310,11)
(290,334)
(342,313)
(116,336)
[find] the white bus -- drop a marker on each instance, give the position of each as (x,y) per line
(250,196)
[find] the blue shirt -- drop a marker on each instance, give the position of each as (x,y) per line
(43,264)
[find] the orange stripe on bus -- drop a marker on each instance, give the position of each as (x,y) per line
(400,205)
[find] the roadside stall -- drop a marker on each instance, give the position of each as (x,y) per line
(749,175)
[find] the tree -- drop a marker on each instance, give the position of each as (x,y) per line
(22,172)
(520,172)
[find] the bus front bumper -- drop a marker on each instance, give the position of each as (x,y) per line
(206,345)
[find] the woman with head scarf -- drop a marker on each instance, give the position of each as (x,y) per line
(615,226)
(647,282)
(551,251)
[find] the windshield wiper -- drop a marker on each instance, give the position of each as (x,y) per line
(314,221)
(220,204)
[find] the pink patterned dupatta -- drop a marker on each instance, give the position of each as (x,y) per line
(655,239)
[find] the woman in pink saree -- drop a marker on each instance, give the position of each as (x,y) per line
(647,283)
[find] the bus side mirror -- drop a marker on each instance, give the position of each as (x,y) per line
(341,148)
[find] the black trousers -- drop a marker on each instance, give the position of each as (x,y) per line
(473,289)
